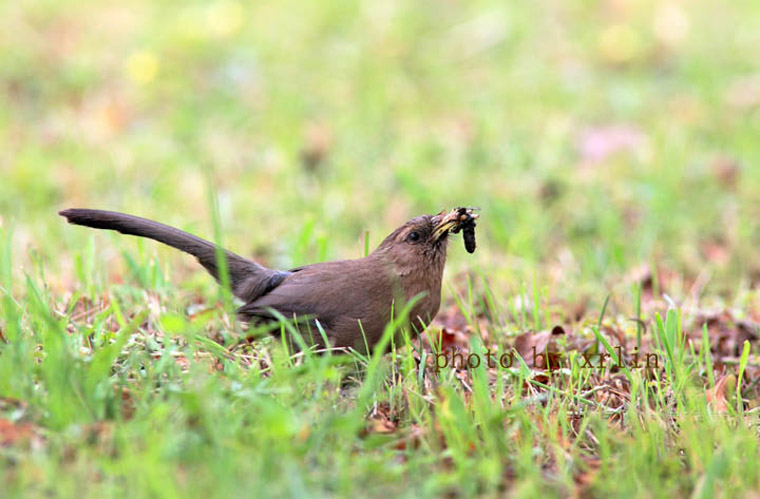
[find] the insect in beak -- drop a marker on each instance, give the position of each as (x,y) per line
(458,219)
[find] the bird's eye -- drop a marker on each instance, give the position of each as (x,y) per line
(413,236)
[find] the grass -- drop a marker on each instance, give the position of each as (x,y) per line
(610,145)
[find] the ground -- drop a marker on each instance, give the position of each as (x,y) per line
(604,336)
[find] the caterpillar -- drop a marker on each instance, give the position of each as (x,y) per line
(467,226)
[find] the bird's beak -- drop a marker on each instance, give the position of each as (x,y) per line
(446,223)
(451,220)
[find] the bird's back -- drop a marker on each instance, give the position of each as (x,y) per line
(340,295)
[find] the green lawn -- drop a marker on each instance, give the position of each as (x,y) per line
(613,147)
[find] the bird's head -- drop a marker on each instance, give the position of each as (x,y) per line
(421,242)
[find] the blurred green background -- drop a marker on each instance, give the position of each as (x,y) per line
(597,136)
(600,138)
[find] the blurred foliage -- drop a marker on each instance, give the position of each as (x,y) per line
(609,132)
(597,137)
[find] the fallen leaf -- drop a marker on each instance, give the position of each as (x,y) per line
(381,421)
(411,439)
(540,349)
(16,433)
(717,397)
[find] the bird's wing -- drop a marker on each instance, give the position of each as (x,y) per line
(310,289)
(337,294)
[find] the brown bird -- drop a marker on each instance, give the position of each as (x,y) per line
(353,300)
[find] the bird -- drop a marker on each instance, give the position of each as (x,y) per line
(352,300)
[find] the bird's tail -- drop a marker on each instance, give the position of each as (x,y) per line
(248,279)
